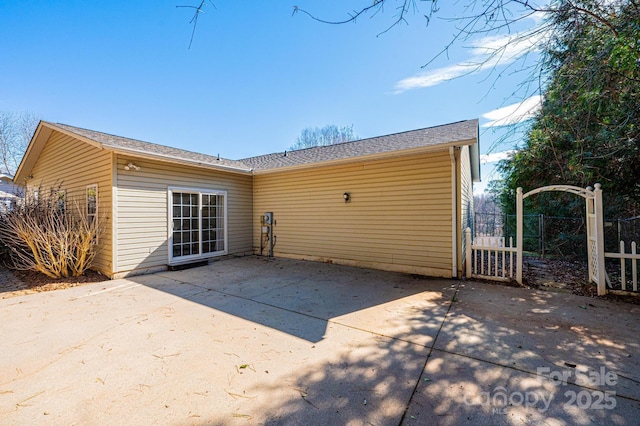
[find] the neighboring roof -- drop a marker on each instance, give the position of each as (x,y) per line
(6,176)
(120,143)
(454,134)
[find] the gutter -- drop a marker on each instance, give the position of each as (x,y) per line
(428,149)
(170,159)
(147,154)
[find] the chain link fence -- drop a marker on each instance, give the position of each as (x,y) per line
(556,236)
(543,235)
(616,230)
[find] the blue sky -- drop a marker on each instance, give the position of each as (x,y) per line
(254,77)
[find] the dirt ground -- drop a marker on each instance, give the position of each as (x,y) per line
(17,283)
(571,275)
(565,276)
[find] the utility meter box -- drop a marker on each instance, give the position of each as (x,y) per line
(267,219)
(267,239)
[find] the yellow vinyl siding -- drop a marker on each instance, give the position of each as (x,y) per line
(465,201)
(142,209)
(74,165)
(399,216)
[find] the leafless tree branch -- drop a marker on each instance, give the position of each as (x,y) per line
(376,7)
(44,238)
(194,19)
(478,17)
(16,130)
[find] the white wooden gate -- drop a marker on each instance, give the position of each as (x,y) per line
(491,258)
(595,229)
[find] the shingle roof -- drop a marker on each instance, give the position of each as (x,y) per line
(464,132)
(119,142)
(460,133)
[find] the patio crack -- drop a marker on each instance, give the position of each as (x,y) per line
(431,349)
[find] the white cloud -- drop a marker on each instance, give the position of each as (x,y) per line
(514,113)
(489,169)
(431,78)
(495,157)
(487,52)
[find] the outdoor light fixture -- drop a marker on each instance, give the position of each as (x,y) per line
(346,197)
(132,166)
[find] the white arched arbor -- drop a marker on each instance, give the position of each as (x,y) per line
(595,229)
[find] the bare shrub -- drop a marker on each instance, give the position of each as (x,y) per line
(50,234)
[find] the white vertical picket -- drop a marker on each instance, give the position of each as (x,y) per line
(504,265)
(511,257)
(484,254)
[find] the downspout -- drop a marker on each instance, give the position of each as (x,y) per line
(114,213)
(454,214)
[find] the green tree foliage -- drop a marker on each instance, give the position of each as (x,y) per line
(327,135)
(588,128)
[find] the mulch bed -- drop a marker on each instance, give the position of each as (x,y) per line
(571,274)
(40,282)
(17,283)
(574,274)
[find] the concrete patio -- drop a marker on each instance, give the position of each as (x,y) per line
(263,341)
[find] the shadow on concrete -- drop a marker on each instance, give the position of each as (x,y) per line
(503,359)
(492,355)
(485,372)
(517,356)
(299,298)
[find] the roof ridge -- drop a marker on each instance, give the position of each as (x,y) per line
(98,131)
(463,132)
(360,140)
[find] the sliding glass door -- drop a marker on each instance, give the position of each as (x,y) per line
(197,224)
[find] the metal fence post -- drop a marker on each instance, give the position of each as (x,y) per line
(468,250)
(541,231)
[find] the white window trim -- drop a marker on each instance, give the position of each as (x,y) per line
(86,190)
(200,192)
(95,186)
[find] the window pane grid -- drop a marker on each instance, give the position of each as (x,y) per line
(213,223)
(92,206)
(197,228)
(185,224)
